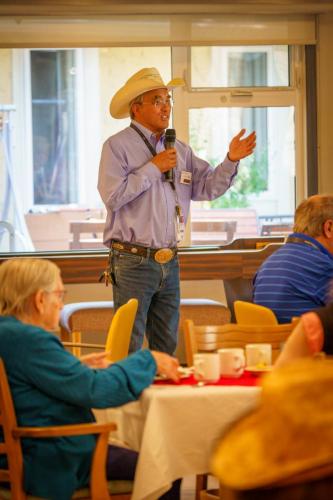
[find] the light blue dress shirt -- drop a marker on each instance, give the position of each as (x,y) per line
(140,205)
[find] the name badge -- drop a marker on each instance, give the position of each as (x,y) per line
(185,177)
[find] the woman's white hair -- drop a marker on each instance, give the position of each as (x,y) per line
(20,279)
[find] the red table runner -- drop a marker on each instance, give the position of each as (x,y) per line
(246,379)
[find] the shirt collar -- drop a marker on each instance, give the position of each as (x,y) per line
(313,241)
(151,136)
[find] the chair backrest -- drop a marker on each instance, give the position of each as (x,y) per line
(117,343)
(202,311)
(209,338)
(89,320)
(10,447)
(235,289)
(247,313)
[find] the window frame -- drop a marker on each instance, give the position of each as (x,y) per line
(293,95)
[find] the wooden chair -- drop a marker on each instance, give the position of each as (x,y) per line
(209,338)
(247,313)
(202,311)
(11,447)
(97,316)
(237,289)
(90,319)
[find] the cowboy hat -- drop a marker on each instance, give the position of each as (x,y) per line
(143,81)
(289,435)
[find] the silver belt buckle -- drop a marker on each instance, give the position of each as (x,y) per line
(163,255)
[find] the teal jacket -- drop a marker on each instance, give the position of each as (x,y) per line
(51,387)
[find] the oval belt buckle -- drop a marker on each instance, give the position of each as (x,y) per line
(163,255)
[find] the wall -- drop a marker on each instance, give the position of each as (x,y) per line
(5,98)
(211,289)
(214,289)
(325,144)
(325,102)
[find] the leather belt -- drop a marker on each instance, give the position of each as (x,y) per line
(160,255)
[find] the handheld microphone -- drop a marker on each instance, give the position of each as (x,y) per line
(169,142)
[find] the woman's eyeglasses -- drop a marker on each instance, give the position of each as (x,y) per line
(59,293)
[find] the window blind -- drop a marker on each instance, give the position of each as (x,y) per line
(149,30)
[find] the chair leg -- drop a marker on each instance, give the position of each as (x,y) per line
(76,338)
(200,484)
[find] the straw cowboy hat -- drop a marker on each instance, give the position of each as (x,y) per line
(143,81)
(289,437)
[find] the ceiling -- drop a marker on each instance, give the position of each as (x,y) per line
(93,8)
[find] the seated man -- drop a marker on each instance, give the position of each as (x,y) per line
(295,279)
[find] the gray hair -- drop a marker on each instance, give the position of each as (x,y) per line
(20,280)
(312,213)
(136,100)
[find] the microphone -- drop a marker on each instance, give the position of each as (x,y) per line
(169,142)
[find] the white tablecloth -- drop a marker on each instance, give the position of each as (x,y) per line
(175,429)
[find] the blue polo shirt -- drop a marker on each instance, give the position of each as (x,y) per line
(295,279)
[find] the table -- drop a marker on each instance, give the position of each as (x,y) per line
(175,429)
(93,227)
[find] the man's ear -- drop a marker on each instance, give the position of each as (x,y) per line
(328,229)
(134,108)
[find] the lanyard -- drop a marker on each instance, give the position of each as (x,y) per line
(179,218)
(151,149)
(144,138)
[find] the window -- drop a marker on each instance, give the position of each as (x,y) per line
(55,119)
(252,88)
(265,178)
(54,105)
(53,102)
(237,66)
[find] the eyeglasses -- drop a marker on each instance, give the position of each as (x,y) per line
(59,293)
(158,102)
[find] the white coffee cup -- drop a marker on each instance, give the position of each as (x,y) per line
(206,366)
(258,355)
(232,361)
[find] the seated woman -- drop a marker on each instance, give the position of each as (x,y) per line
(313,334)
(51,387)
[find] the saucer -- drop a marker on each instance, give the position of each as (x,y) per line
(183,371)
(259,370)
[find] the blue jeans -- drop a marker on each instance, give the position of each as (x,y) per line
(156,286)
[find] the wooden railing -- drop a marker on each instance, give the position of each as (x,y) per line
(240,259)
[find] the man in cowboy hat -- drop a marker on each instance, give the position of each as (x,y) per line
(147,190)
